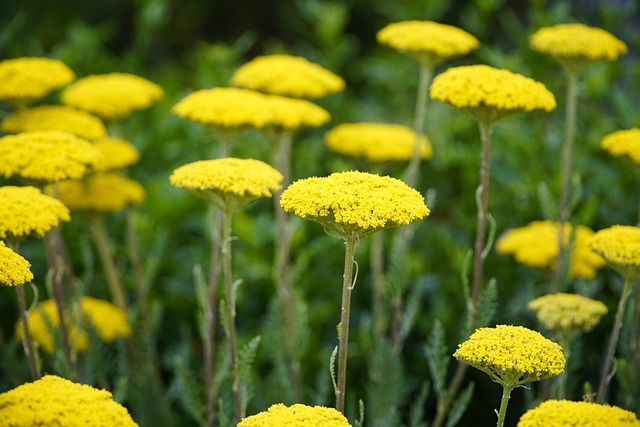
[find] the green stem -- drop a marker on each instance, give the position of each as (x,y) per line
(133,246)
(351,242)
(378,283)
(26,333)
(504,402)
(210,318)
(561,380)
(613,341)
(426,73)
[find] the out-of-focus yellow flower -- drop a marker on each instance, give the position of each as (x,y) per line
(55,117)
(567,312)
(296,415)
(565,413)
(293,114)
(14,269)
(623,143)
(117,153)
(620,246)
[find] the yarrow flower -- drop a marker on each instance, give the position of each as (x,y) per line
(117,153)
(112,96)
(292,114)
(623,143)
(26,212)
(14,269)
(46,156)
(565,413)
(24,80)
(620,246)
(536,245)
(376,142)
(296,415)
(55,401)
(427,41)
(55,117)
(354,203)
(287,75)
(568,312)
(229,183)
(488,93)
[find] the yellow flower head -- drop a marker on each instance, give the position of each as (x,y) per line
(565,413)
(46,156)
(567,312)
(512,355)
(117,153)
(55,401)
(376,142)
(25,212)
(229,182)
(296,415)
(14,269)
(536,245)
(577,43)
(24,80)
(112,96)
(100,193)
(489,93)
(427,41)
(290,113)
(620,246)
(623,143)
(354,203)
(287,75)
(55,117)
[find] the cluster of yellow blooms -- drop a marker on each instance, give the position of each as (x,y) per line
(55,401)
(287,75)
(376,142)
(55,117)
(620,246)
(623,143)
(117,153)
(296,415)
(512,353)
(24,80)
(565,413)
(14,269)
(568,312)
(536,245)
(354,202)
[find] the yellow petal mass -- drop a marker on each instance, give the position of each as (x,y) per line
(55,117)
(24,80)
(623,143)
(567,312)
(14,269)
(297,415)
(100,193)
(620,246)
(565,413)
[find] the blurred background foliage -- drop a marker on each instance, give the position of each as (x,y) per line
(189,45)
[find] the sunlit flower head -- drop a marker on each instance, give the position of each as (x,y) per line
(512,354)
(55,401)
(229,183)
(376,142)
(354,203)
(488,93)
(536,245)
(112,96)
(292,114)
(296,415)
(427,41)
(287,75)
(46,156)
(55,117)
(24,80)
(623,143)
(620,246)
(117,153)
(26,212)
(567,312)
(14,269)
(565,413)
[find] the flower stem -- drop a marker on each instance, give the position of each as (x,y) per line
(506,395)
(210,318)
(26,333)
(142,288)
(426,73)
(351,242)
(378,282)
(561,380)
(613,341)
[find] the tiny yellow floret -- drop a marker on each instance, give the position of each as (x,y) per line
(297,415)
(55,117)
(623,143)
(564,312)
(565,413)
(14,269)
(24,80)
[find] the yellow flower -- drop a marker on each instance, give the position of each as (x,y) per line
(24,80)
(512,355)
(296,415)
(290,113)
(55,117)
(55,401)
(620,246)
(100,193)
(14,269)
(565,413)
(25,211)
(376,142)
(112,96)
(427,41)
(623,143)
(117,153)
(577,42)
(229,182)
(489,93)
(536,245)
(354,203)
(46,156)
(109,321)
(287,75)
(567,312)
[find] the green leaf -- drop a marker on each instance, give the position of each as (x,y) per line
(360,421)
(416,415)
(547,203)
(332,369)
(188,391)
(487,304)
(246,357)
(460,405)
(438,359)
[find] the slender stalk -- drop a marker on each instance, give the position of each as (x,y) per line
(613,341)
(561,380)
(26,333)
(378,283)
(635,358)
(351,242)
(426,73)
(133,246)
(504,402)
